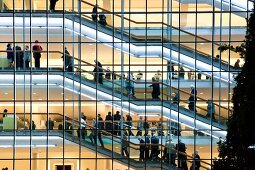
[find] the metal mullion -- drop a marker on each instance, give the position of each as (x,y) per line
(47,96)
(212,79)
(79,65)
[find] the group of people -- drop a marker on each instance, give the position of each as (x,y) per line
(21,58)
(193,100)
(5,168)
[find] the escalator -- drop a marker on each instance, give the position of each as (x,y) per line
(112,93)
(111,149)
(174,52)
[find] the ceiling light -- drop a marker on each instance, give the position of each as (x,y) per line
(201,93)
(34,93)
(5,93)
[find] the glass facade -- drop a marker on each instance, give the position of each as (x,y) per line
(117,85)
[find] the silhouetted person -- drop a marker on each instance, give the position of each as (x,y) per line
(130,84)
(10,55)
(100,127)
(108,122)
(129,124)
(98,72)
(82,128)
(182,158)
(108,73)
(102,19)
(52,5)
(94,13)
(142,148)
(139,126)
(33,126)
(68,61)
(155,89)
(19,57)
(210,109)
(125,145)
(193,99)
(154,147)
(116,119)
(196,162)
(27,56)
(237,63)
(181,73)
(50,124)
(37,50)
(147,147)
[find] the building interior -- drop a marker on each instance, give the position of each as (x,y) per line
(173,43)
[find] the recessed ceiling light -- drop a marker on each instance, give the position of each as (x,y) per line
(5,93)
(90,44)
(62,93)
(201,93)
(34,93)
(224,99)
(67,99)
(40,99)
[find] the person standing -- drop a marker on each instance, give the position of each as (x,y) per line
(182,73)
(196,162)
(10,55)
(182,158)
(171,152)
(142,148)
(125,145)
(237,64)
(94,13)
(108,122)
(155,89)
(154,147)
(108,73)
(83,126)
(52,5)
(129,124)
(19,57)
(37,50)
(139,126)
(130,84)
(49,124)
(27,56)
(193,99)
(116,119)
(210,109)
(98,72)
(68,61)
(99,128)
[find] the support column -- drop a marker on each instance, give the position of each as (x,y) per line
(35,161)
(184,16)
(1,5)
(108,164)
(28,4)
(107,5)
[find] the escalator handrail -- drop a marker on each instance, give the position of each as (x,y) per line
(133,81)
(186,32)
(107,134)
(137,82)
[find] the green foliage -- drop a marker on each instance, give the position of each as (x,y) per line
(238,49)
(234,152)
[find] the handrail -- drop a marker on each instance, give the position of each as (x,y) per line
(177,28)
(126,79)
(138,82)
(105,133)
